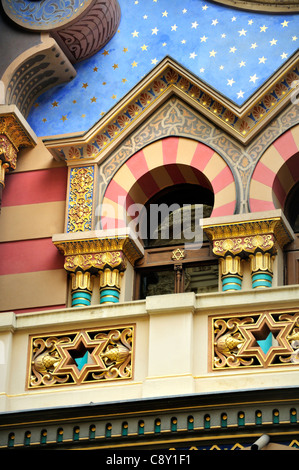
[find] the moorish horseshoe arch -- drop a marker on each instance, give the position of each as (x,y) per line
(276,173)
(166,162)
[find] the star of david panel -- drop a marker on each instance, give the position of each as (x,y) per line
(80,357)
(261,339)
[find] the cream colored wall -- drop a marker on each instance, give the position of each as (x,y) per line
(172,348)
(33,290)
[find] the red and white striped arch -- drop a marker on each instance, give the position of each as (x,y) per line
(276,173)
(164,163)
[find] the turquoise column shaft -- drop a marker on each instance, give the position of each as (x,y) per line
(81,298)
(231,283)
(261,280)
(109,295)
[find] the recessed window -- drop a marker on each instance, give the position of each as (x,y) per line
(174,262)
(292,208)
(172,216)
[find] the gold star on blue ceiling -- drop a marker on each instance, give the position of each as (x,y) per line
(233,51)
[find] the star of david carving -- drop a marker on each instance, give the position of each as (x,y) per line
(259,330)
(72,350)
(178,254)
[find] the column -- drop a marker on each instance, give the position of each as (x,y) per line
(111,273)
(231,273)
(87,257)
(261,270)
(256,239)
(110,284)
(82,284)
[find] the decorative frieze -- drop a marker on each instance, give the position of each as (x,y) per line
(168,79)
(81,357)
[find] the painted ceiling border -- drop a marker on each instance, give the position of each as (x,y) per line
(167,79)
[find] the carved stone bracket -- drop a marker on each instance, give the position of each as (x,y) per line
(96,253)
(258,238)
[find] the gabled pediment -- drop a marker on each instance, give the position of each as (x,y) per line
(170,78)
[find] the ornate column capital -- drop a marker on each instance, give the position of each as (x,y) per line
(241,236)
(97,252)
(255,236)
(92,247)
(14,134)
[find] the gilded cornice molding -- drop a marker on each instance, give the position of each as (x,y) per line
(96,252)
(168,79)
(243,237)
(12,128)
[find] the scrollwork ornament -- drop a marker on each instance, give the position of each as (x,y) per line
(227,343)
(45,358)
(108,353)
(236,340)
(95,261)
(244,245)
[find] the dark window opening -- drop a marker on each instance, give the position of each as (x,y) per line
(292,208)
(171,229)
(178,278)
(172,214)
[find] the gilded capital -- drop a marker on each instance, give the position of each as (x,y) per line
(96,252)
(82,280)
(95,261)
(245,237)
(14,135)
(261,262)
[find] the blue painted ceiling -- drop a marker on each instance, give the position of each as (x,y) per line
(233,51)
